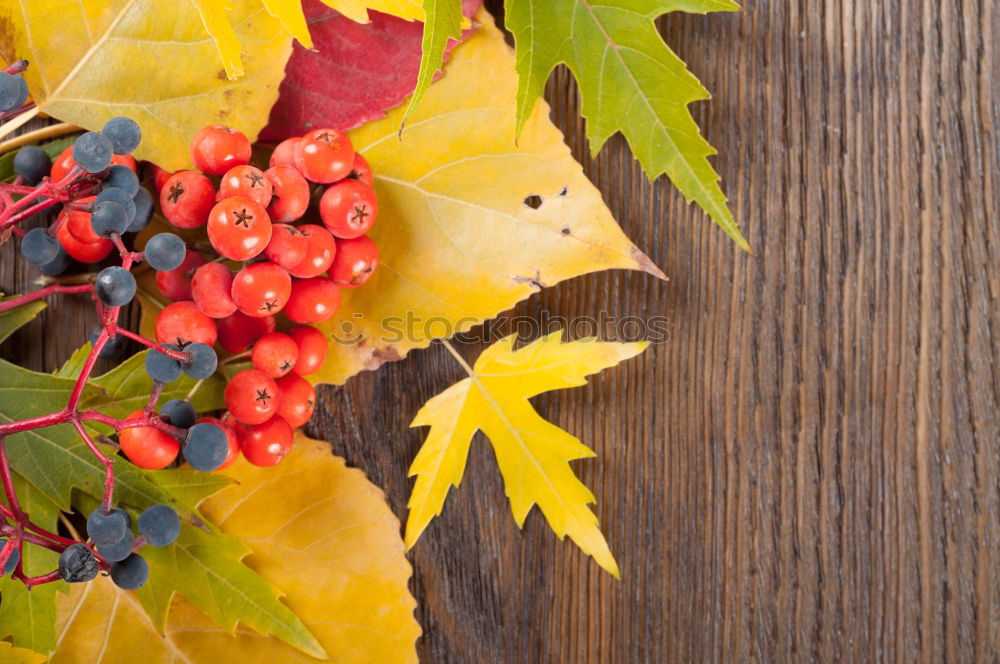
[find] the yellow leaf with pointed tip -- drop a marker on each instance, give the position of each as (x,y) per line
(533,454)
(469,222)
(11,655)
(149,60)
(319,530)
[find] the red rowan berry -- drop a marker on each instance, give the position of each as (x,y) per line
(217,148)
(251,396)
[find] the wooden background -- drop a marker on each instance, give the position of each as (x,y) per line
(809,470)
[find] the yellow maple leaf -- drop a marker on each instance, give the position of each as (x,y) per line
(533,454)
(469,222)
(148,60)
(319,530)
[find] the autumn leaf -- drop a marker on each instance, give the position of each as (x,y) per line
(469,222)
(533,454)
(292,19)
(630,81)
(330,542)
(148,60)
(340,84)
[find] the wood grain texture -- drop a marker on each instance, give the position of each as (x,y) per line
(809,469)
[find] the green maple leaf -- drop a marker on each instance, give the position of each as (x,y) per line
(56,469)
(28,618)
(443,22)
(12,319)
(630,81)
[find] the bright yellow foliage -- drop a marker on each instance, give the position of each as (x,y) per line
(319,531)
(11,655)
(533,454)
(458,241)
(148,60)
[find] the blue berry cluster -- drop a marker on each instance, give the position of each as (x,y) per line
(111,533)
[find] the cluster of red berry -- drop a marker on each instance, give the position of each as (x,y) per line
(294,270)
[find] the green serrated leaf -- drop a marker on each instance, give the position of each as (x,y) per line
(630,81)
(74,365)
(12,319)
(190,486)
(28,618)
(443,22)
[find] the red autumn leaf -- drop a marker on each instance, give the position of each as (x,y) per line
(357,72)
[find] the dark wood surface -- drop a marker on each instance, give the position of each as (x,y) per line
(809,470)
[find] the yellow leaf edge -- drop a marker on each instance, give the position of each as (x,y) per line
(414,529)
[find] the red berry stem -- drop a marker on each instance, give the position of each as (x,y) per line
(17,513)
(17,67)
(32,581)
(107,502)
(54,289)
(169,352)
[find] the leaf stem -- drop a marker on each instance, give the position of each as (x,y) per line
(459,358)
(22,119)
(45,133)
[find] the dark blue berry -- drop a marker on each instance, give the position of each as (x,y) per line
(77,563)
(180,413)
(205,446)
(122,177)
(13,91)
(160,524)
(120,550)
(131,573)
(57,265)
(92,152)
(39,247)
(203,362)
(32,163)
(109,218)
(115,286)
(165,251)
(119,196)
(123,133)
(143,201)
(107,528)
(162,368)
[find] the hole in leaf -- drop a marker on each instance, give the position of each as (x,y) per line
(563,191)
(534,201)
